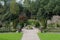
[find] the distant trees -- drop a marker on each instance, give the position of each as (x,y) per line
(14,7)
(44,9)
(40,9)
(31,6)
(9,12)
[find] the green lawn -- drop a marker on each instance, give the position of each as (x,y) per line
(10,36)
(49,36)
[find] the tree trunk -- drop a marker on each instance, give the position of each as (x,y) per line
(44,24)
(0,24)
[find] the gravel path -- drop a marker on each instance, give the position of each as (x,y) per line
(30,34)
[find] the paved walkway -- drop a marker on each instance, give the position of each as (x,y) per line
(30,34)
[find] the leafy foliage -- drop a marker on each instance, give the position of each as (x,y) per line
(42,10)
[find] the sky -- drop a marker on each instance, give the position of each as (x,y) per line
(21,1)
(2,2)
(16,1)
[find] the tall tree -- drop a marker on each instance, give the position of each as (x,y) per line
(31,6)
(14,8)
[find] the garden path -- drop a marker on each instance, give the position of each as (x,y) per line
(30,34)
